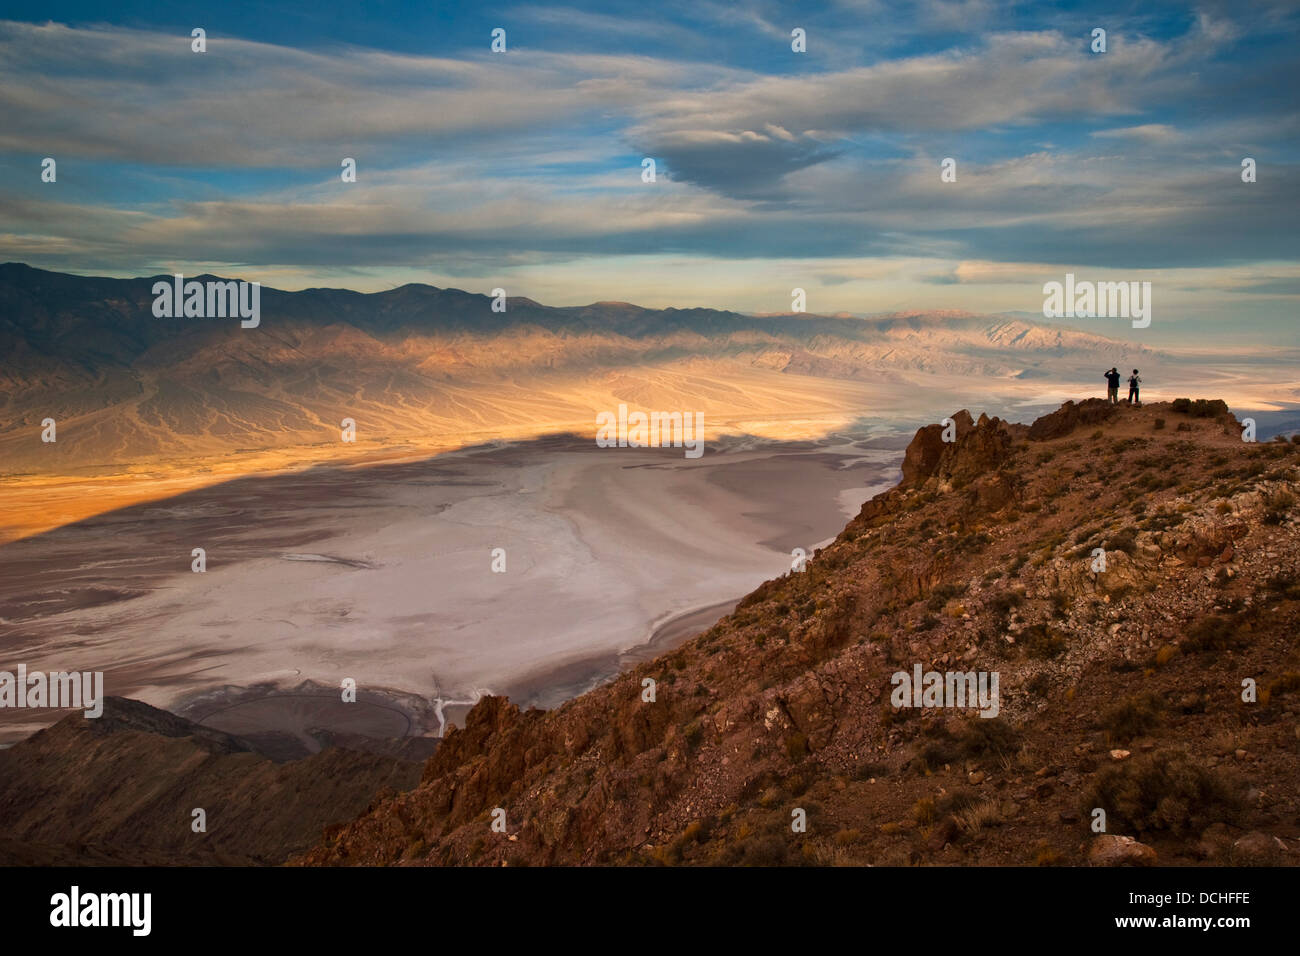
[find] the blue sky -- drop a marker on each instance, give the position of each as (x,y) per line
(775,169)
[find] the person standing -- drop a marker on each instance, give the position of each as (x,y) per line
(1134,382)
(1112,386)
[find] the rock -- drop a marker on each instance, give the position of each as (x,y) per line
(921,459)
(1068,417)
(1258,847)
(976,777)
(977,452)
(1120,754)
(1109,849)
(808,709)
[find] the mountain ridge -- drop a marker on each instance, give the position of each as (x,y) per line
(1121,689)
(420,364)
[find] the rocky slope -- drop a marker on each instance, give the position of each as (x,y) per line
(121,790)
(1121,689)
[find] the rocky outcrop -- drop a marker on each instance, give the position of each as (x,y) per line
(1090,412)
(976,450)
(927,448)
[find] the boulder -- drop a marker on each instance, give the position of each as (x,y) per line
(1109,849)
(1092,411)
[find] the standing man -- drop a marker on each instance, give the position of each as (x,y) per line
(1134,381)
(1112,386)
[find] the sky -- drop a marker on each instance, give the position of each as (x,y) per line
(774,169)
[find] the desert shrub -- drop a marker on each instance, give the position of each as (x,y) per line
(924,811)
(1060,603)
(933,754)
(1163,791)
(1124,540)
(942,594)
(1132,717)
(1201,408)
(1045,855)
(1277,505)
(847,837)
(1041,641)
(977,816)
(1288,683)
(869,769)
(768,850)
(1163,520)
(1283,585)
(977,737)
(957,802)
(987,736)
(1039,685)
(972,542)
(1217,632)
(1160,423)
(1003,602)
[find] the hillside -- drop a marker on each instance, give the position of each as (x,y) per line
(1119,690)
(120,790)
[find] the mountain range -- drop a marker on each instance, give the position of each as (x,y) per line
(438,367)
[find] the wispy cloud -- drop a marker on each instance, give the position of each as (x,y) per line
(528,164)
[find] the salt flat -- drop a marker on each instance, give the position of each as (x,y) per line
(383,574)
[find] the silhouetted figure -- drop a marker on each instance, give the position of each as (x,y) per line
(1134,382)
(1112,386)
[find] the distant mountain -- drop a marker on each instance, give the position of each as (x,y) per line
(423,364)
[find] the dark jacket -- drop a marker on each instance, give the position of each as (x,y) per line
(1112,379)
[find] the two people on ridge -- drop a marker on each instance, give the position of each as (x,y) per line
(1112,387)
